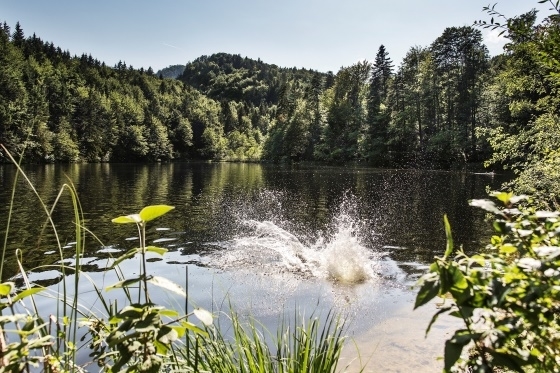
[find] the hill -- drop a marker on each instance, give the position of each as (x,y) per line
(224,76)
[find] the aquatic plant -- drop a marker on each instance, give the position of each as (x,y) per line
(303,346)
(37,342)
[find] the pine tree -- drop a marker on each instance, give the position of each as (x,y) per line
(18,36)
(378,118)
(382,70)
(5,31)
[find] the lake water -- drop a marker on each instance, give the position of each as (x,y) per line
(268,239)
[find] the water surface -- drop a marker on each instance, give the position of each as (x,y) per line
(267,239)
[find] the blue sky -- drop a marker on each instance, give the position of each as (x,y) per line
(316,34)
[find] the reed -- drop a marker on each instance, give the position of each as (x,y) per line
(51,351)
(304,345)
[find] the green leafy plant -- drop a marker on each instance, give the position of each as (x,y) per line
(147,214)
(30,344)
(507,296)
(137,337)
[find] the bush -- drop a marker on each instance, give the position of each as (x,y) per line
(508,296)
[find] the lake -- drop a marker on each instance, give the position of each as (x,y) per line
(267,239)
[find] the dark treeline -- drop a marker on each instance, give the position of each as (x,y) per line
(444,105)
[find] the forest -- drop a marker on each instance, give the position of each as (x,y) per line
(445,105)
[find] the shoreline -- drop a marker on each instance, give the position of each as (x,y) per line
(398,343)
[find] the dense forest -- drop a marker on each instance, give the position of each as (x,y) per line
(445,105)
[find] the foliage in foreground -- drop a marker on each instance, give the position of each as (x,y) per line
(508,296)
(308,347)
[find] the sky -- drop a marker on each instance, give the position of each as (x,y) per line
(322,35)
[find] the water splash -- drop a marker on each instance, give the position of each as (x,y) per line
(346,260)
(338,254)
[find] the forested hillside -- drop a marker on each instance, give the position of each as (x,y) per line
(59,108)
(423,113)
(443,105)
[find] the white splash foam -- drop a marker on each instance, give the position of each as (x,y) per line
(270,248)
(345,259)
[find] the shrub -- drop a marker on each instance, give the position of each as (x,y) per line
(507,296)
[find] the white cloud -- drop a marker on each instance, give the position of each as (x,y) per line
(494,41)
(494,37)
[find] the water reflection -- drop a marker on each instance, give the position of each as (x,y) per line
(400,211)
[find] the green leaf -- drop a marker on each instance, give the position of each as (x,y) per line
(434,269)
(166,335)
(434,318)
(27,293)
(486,205)
(128,255)
(500,226)
(190,326)
(124,283)
(508,361)
(161,348)
(503,196)
(12,318)
(168,313)
(454,347)
(449,238)
(458,279)
(6,288)
(446,280)
(180,330)
(427,292)
(130,312)
(465,312)
(157,250)
(151,212)
(516,199)
(524,232)
(128,219)
(451,355)
(508,249)
(547,214)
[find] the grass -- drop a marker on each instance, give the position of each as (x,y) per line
(306,346)
(139,336)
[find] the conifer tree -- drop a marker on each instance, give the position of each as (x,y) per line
(18,36)
(378,117)
(5,31)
